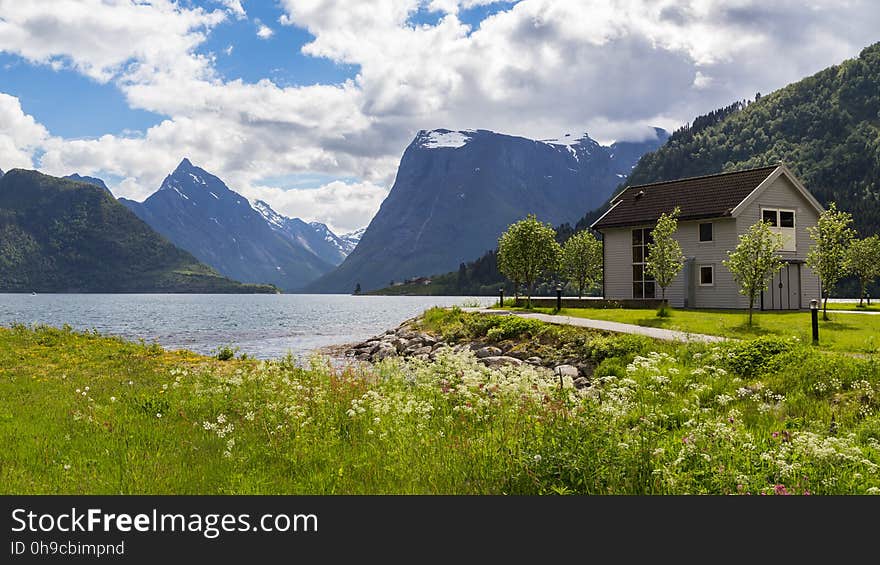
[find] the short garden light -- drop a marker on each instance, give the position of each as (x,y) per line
(814,314)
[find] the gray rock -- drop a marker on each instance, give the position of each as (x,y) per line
(535,361)
(427,339)
(567,371)
(385,350)
(424,350)
(500,361)
(488,352)
(438,345)
(581,382)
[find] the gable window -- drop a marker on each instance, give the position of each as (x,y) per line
(707,275)
(643,283)
(706,232)
(782,222)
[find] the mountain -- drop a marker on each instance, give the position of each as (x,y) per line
(199,213)
(826,128)
(456,191)
(316,237)
(89,180)
(59,235)
(351,239)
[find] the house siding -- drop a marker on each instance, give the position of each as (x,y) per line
(724,293)
(617,245)
(783,194)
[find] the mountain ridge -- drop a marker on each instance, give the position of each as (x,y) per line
(456,191)
(63,235)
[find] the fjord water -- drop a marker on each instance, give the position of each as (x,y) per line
(262,325)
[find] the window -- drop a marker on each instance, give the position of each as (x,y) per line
(783,223)
(707,275)
(706,232)
(643,283)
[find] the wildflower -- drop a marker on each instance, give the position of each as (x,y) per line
(221,418)
(249,416)
(67,467)
(537,458)
(87,389)
(112,399)
(158,414)
(780,489)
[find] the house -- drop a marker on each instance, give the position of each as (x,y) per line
(715,211)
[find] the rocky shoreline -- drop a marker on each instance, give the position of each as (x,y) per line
(410,341)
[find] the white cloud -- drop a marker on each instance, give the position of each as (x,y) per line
(263,31)
(234,7)
(342,206)
(229,49)
(538,68)
(20,135)
(107,39)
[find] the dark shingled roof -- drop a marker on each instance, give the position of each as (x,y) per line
(711,196)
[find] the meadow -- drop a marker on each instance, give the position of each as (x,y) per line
(848,332)
(84,413)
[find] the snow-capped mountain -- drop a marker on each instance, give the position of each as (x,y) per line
(314,236)
(457,191)
(199,213)
(351,239)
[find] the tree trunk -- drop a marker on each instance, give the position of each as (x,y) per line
(531,290)
(825,307)
(580,290)
(751,305)
(862,292)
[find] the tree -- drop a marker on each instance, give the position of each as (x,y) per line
(754,261)
(527,251)
(863,262)
(831,235)
(357,288)
(665,259)
(582,260)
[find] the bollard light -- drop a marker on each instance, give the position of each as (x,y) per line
(501,298)
(814,315)
(558,297)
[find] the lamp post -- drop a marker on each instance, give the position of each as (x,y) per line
(501,298)
(558,297)
(814,315)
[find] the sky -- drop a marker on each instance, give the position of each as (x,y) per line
(309,104)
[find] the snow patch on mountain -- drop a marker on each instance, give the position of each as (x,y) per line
(444,138)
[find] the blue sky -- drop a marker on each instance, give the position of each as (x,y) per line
(309,104)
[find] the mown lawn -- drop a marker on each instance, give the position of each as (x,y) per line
(81,413)
(842,332)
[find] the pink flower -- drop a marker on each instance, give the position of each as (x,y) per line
(780,489)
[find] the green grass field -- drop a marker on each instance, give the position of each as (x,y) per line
(842,332)
(81,413)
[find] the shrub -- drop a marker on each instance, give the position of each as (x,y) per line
(513,326)
(749,357)
(225,352)
(602,347)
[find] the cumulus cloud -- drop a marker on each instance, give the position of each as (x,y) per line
(20,135)
(234,7)
(263,31)
(342,206)
(537,68)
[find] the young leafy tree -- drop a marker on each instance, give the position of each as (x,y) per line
(527,251)
(863,262)
(831,236)
(582,261)
(665,259)
(754,261)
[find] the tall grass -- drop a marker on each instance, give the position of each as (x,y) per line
(81,413)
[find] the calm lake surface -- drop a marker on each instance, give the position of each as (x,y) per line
(262,325)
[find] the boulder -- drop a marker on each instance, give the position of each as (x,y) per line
(500,361)
(488,352)
(385,350)
(581,382)
(535,361)
(567,371)
(422,351)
